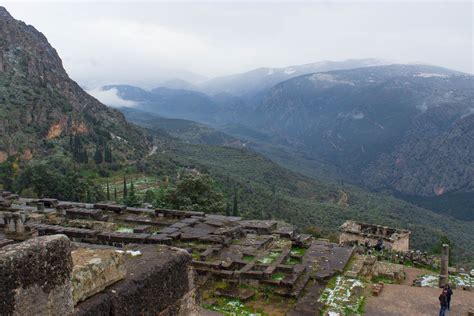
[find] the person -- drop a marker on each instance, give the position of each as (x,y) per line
(449,293)
(379,246)
(443,302)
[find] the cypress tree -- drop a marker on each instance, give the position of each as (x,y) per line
(235,209)
(108,154)
(84,157)
(124,188)
(98,156)
(227,209)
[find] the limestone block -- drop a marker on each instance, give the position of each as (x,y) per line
(94,270)
(389,270)
(36,277)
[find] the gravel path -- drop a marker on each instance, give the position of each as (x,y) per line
(398,300)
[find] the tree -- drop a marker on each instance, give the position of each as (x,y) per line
(132,199)
(149,196)
(124,188)
(8,172)
(437,249)
(108,154)
(98,156)
(108,192)
(195,191)
(115,194)
(227,209)
(235,209)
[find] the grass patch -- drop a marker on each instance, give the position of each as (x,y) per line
(278,276)
(248,258)
(234,308)
(298,251)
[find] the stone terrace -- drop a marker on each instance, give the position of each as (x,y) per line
(254,252)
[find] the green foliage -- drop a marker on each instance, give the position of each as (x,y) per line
(235,208)
(108,154)
(195,191)
(149,196)
(48,182)
(438,247)
(98,156)
(132,199)
(124,191)
(8,169)
(227,209)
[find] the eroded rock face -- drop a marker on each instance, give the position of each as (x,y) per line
(94,270)
(36,277)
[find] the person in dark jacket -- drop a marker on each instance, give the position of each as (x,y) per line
(443,302)
(449,293)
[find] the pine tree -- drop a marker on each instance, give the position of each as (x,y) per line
(235,209)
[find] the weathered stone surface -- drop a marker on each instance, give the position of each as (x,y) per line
(94,270)
(155,282)
(36,277)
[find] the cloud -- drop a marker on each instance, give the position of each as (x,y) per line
(110,97)
(147,42)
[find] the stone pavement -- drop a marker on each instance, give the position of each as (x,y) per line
(401,300)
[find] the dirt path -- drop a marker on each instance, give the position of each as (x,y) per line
(411,274)
(402,300)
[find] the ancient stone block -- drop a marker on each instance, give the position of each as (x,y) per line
(155,281)
(36,277)
(94,270)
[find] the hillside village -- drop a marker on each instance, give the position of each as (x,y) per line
(74,258)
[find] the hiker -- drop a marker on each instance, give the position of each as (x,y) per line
(449,293)
(443,302)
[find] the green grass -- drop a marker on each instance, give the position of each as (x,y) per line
(278,276)
(248,258)
(298,251)
(233,307)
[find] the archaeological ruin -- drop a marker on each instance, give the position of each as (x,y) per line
(70,258)
(358,233)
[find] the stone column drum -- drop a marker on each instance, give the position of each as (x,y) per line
(443,275)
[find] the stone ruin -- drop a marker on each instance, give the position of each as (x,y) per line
(180,253)
(358,233)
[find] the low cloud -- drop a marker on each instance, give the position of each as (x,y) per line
(110,97)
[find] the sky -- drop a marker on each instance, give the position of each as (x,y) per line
(144,43)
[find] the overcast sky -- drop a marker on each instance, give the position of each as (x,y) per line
(142,43)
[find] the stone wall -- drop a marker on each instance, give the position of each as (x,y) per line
(36,277)
(160,281)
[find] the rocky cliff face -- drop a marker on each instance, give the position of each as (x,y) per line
(40,106)
(430,165)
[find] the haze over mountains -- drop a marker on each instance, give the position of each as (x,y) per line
(375,123)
